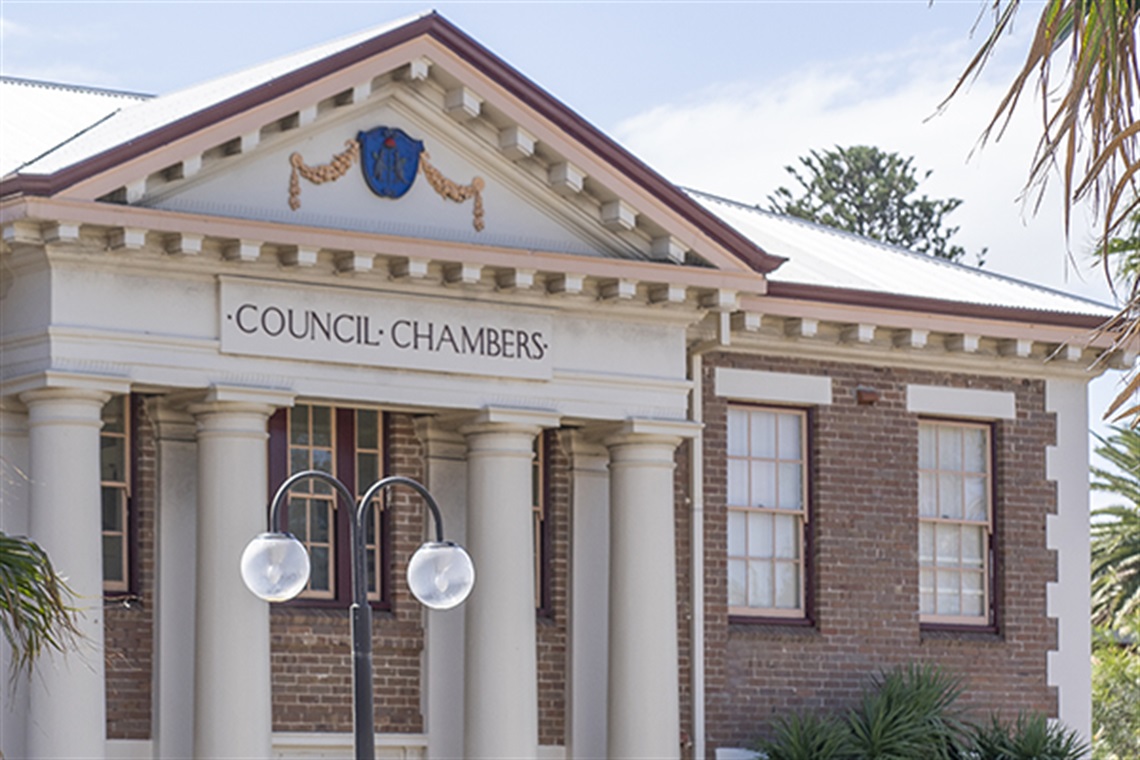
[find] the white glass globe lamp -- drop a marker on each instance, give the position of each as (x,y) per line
(441,575)
(275,566)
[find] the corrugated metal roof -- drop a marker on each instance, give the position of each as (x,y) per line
(824,256)
(40,116)
(141,118)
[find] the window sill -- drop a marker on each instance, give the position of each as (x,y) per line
(951,632)
(327,604)
(777,626)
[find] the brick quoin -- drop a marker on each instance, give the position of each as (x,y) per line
(865,559)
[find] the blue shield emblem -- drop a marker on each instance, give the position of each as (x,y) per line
(390,160)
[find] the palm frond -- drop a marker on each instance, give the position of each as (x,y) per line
(35,614)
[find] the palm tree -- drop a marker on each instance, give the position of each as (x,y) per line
(35,615)
(1090,132)
(1116,530)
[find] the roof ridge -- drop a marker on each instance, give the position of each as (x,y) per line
(49,85)
(896,248)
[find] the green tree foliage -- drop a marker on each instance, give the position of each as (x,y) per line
(1116,530)
(1082,73)
(1116,692)
(868,192)
(34,612)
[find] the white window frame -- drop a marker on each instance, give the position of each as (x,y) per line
(931,564)
(802,515)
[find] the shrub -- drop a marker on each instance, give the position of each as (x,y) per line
(1030,737)
(910,713)
(807,736)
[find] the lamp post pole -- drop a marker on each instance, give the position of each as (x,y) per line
(275,567)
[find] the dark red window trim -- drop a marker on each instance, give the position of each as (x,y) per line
(346,471)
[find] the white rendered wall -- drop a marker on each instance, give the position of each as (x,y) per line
(1067,532)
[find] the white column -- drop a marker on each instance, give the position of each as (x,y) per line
(67,708)
(445,455)
(589,596)
(232,704)
(501,715)
(14,520)
(176,526)
(644,704)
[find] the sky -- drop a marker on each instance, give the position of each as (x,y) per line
(718,96)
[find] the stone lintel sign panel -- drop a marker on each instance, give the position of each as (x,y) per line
(347,326)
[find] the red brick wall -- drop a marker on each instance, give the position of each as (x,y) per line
(551,627)
(311,648)
(682,503)
(865,565)
(129,619)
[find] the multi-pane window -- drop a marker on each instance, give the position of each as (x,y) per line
(955,522)
(369,469)
(767,511)
(115,489)
(348,444)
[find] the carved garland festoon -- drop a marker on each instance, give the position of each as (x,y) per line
(343,161)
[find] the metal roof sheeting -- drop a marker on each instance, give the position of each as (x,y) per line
(827,257)
(140,118)
(40,116)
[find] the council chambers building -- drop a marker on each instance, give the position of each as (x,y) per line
(712,464)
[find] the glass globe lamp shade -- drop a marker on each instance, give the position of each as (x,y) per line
(441,575)
(275,566)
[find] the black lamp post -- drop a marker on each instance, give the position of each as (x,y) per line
(275,567)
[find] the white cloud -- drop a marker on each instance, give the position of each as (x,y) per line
(10,29)
(735,140)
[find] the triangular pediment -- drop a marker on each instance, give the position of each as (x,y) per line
(462,190)
(547,181)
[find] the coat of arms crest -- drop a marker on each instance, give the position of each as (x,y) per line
(390,160)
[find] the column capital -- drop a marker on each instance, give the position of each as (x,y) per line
(650,431)
(65,406)
(171,419)
(504,419)
(236,400)
(440,440)
(585,448)
(91,395)
(70,380)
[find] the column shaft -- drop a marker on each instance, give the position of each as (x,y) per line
(501,715)
(445,453)
(232,697)
(67,706)
(172,716)
(589,596)
(644,705)
(14,520)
